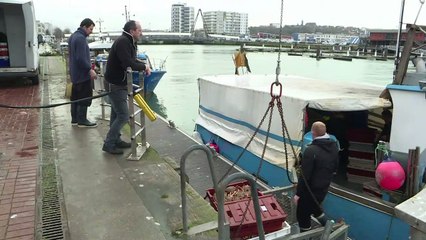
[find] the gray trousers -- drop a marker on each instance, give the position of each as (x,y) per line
(119,116)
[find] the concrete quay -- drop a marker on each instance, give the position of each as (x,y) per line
(58,184)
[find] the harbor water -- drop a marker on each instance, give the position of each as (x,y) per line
(176,96)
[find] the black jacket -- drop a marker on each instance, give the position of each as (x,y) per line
(319,163)
(121,56)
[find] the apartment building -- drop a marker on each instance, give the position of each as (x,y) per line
(227,23)
(182,18)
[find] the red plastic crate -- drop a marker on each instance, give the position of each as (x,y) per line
(210,193)
(272,217)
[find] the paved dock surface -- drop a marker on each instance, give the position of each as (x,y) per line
(19,141)
(95,195)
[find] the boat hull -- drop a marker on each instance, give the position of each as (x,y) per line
(150,82)
(270,174)
(365,221)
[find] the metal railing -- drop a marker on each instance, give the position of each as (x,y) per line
(183,182)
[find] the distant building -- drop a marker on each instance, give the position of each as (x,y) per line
(227,23)
(40,28)
(328,39)
(48,27)
(386,37)
(41,32)
(276,25)
(182,18)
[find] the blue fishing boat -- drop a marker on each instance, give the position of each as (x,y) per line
(270,148)
(151,81)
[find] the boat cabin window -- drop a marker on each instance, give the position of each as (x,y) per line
(358,133)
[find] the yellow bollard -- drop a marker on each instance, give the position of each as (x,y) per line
(144,106)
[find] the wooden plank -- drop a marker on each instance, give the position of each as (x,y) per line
(403,62)
(405,57)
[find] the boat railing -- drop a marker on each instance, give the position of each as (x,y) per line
(377,204)
(183,180)
(158,64)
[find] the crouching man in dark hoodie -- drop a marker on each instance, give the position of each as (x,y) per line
(319,163)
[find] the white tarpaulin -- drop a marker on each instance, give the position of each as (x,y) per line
(232,107)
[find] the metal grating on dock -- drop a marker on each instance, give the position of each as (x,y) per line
(51,221)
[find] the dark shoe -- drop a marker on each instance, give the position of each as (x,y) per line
(87,123)
(112,150)
(123,144)
(322,219)
(74,123)
(82,117)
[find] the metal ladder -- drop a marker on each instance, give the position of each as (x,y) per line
(137,150)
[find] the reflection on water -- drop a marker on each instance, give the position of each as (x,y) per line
(155,105)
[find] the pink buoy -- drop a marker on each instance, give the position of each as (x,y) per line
(390,175)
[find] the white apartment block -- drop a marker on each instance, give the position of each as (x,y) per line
(182,18)
(227,23)
(41,29)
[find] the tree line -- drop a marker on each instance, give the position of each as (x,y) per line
(305,28)
(58,33)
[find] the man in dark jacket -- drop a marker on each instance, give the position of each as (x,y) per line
(81,73)
(122,55)
(319,164)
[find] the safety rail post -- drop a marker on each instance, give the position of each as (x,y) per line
(183,182)
(142,113)
(102,87)
(220,195)
(137,150)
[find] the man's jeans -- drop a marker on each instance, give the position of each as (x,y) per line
(119,116)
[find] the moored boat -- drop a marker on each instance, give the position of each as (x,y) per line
(352,113)
(151,81)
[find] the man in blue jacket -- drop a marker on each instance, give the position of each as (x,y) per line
(81,73)
(319,164)
(122,55)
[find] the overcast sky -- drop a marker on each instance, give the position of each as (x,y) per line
(155,14)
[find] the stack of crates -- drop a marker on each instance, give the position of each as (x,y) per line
(243,224)
(4,55)
(361,167)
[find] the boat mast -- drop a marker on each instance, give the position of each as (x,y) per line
(126,13)
(398,39)
(100,21)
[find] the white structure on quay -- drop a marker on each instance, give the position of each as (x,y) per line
(182,18)
(229,23)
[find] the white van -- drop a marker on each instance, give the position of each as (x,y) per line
(18,40)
